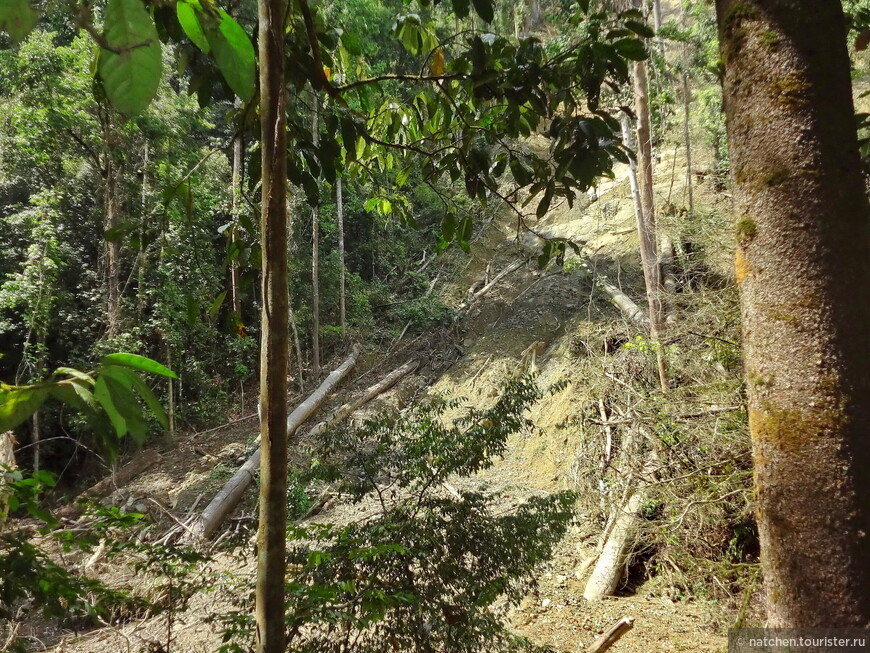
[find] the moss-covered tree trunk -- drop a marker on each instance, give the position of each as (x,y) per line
(803,265)
(274,350)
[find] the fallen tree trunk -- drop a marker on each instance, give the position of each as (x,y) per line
(609,568)
(378,388)
(231,493)
(120,478)
(623,302)
(477,294)
(622,533)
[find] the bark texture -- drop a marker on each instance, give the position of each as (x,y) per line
(235,282)
(644,205)
(803,265)
(339,206)
(274,349)
(315,259)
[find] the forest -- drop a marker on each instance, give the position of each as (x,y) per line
(370,326)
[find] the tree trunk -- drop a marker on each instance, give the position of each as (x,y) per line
(657,24)
(170,392)
(613,634)
(238,149)
(609,569)
(7,464)
(803,267)
(231,493)
(141,295)
(315,262)
(687,104)
(339,206)
(113,250)
(646,222)
(373,391)
(274,346)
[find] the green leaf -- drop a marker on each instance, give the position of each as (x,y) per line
(460,8)
(216,304)
(640,28)
(131,77)
(120,381)
(17,403)
(17,18)
(151,401)
(104,396)
(234,54)
(484,9)
(76,374)
(139,363)
(191,26)
(631,48)
(544,204)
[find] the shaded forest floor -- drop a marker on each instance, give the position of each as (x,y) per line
(554,322)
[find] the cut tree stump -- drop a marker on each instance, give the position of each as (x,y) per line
(231,493)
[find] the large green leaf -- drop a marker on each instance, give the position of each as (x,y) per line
(191,26)
(17,17)
(120,382)
(460,8)
(139,363)
(152,401)
(130,75)
(17,403)
(104,396)
(484,9)
(233,52)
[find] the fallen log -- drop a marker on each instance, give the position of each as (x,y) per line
(118,479)
(475,294)
(621,537)
(622,301)
(231,493)
(609,567)
(613,634)
(373,391)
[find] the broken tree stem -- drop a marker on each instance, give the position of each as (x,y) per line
(610,638)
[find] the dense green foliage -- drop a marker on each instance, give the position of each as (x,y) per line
(428,569)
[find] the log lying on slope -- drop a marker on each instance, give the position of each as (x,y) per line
(621,537)
(117,479)
(378,388)
(231,493)
(622,301)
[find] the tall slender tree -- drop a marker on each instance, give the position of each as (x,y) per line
(315,256)
(274,348)
(342,273)
(646,221)
(803,266)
